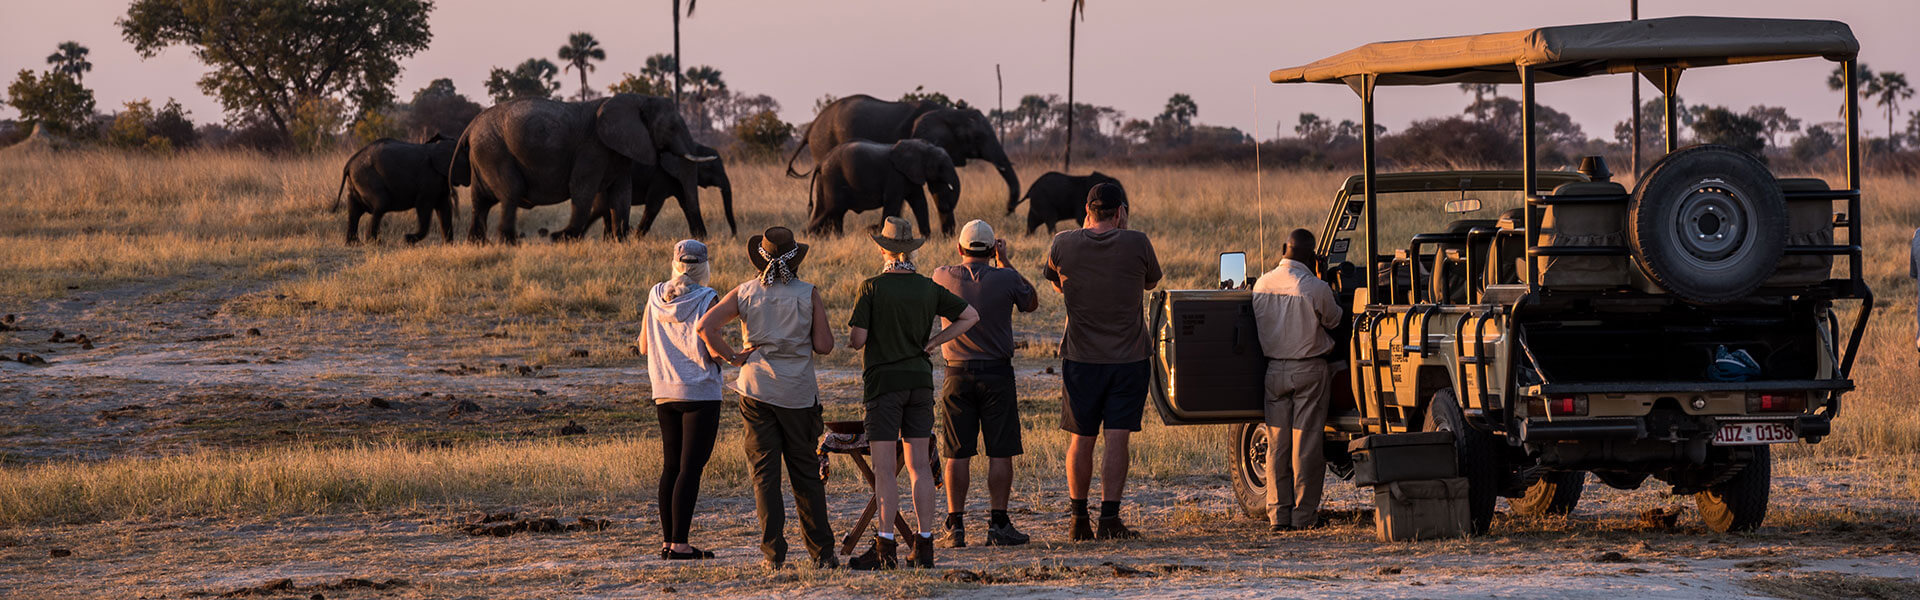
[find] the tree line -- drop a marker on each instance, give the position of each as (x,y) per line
(321,75)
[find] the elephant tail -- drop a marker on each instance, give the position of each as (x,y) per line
(812,181)
(797,149)
(343,188)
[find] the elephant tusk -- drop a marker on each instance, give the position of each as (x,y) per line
(699,159)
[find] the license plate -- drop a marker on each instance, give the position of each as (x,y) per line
(1754,434)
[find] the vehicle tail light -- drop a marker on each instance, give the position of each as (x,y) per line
(1776,402)
(1573,405)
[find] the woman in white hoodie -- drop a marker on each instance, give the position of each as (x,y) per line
(686,391)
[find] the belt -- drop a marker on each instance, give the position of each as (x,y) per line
(980,364)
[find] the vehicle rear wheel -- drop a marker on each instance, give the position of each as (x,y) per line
(1739,503)
(1478,455)
(1708,223)
(1554,494)
(1250,469)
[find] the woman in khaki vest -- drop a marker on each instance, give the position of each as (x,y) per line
(784,322)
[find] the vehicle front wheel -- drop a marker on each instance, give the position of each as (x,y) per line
(1250,469)
(1554,494)
(1739,503)
(1478,455)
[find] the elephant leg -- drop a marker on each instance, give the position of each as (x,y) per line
(373,227)
(585,196)
(649,212)
(446,219)
(917,198)
(353,221)
(691,209)
(483,202)
(509,229)
(424,214)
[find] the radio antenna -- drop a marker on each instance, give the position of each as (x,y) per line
(1259,193)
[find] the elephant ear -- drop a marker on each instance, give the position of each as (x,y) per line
(621,126)
(910,159)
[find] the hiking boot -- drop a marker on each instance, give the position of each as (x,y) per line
(1111,528)
(826,561)
(954,536)
(922,555)
(883,555)
(1081,529)
(1005,535)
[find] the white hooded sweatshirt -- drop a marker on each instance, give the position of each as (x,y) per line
(678,364)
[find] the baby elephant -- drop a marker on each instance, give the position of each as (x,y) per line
(1057,196)
(390,175)
(861,176)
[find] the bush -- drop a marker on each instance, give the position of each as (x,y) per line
(140,127)
(376,124)
(438,108)
(1452,142)
(52,99)
(764,133)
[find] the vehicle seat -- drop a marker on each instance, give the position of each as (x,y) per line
(1809,223)
(1447,273)
(1602,224)
(1507,251)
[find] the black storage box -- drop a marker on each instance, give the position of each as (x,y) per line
(1389,457)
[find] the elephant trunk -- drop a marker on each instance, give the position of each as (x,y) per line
(945,199)
(687,172)
(1013,185)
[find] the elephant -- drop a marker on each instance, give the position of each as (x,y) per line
(659,186)
(390,175)
(1058,196)
(862,176)
(535,152)
(963,133)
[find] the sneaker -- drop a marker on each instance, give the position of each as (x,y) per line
(922,555)
(691,554)
(1005,535)
(1081,529)
(883,555)
(1111,528)
(954,536)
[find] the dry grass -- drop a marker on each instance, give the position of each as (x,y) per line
(99,220)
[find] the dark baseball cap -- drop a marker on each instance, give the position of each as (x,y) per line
(1107,196)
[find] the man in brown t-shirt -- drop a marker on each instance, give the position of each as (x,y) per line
(1102,270)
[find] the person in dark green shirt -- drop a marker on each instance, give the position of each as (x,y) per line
(892,322)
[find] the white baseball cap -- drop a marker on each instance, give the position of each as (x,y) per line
(976,236)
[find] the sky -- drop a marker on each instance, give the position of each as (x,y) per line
(1132,55)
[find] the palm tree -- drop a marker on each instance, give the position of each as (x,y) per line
(1837,81)
(1480,92)
(676,45)
(71,59)
(659,67)
(1076,14)
(1889,87)
(705,79)
(579,53)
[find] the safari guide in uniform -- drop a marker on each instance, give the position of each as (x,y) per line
(784,322)
(891,320)
(1294,309)
(979,398)
(1102,270)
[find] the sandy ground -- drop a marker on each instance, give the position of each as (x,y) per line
(173,371)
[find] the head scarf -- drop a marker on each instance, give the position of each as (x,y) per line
(777,270)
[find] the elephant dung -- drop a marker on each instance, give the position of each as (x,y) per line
(464,407)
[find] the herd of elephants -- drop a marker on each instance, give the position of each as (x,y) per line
(600,155)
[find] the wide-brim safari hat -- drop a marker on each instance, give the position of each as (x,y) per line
(777,241)
(897,236)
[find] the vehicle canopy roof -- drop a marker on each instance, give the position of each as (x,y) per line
(1454,181)
(1573,51)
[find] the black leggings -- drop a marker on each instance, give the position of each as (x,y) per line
(687,430)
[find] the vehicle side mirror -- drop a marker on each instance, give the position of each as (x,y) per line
(1233,270)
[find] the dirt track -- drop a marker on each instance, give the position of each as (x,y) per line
(174,375)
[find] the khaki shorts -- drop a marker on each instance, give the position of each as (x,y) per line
(900,414)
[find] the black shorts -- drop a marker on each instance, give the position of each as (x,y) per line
(976,401)
(900,414)
(1102,396)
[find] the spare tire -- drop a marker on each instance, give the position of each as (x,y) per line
(1708,223)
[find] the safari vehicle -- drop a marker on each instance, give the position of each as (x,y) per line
(1560,324)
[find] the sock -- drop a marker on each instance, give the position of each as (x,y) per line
(1110,509)
(1079,507)
(999,518)
(887,535)
(954,519)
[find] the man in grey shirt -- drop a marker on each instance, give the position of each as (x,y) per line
(979,397)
